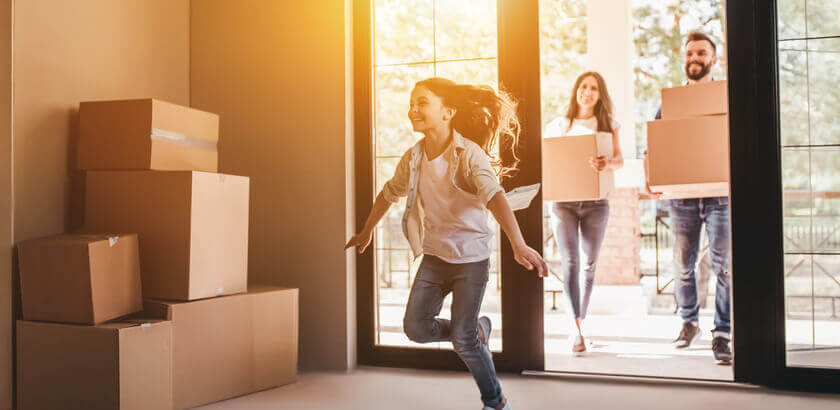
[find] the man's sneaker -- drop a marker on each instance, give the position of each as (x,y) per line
(502,406)
(484,328)
(720,348)
(688,335)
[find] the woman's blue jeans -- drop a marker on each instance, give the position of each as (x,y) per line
(579,226)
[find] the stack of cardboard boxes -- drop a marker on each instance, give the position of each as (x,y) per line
(151,170)
(688,149)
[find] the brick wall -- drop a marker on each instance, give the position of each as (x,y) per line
(618,262)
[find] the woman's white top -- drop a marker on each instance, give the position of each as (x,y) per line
(559,127)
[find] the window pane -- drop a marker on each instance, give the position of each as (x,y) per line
(827,307)
(812,290)
(465,29)
(393,90)
(476,72)
(797,200)
(403,31)
(798,307)
(823,60)
(793,93)
(791,18)
(823,18)
(826,226)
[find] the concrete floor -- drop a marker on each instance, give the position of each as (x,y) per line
(391,389)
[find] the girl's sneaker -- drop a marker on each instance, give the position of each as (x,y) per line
(502,406)
(484,329)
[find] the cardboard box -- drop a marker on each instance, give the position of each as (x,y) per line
(689,157)
(230,346)
(122,365)
(193,227)
(86,279)
(146,134)
(567,175)
(695,100)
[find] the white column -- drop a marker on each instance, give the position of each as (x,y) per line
(611,53)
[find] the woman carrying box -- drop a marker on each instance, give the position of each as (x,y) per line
(582,224)
(449,180)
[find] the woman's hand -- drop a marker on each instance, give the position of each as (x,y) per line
(361,240)
(598,163)
(528,257)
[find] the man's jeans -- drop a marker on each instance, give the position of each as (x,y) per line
(467,281)
(579,226)
(687,219)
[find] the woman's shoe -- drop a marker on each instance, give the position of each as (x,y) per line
(579,345)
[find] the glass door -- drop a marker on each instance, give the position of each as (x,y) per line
(809,52)
(785,175)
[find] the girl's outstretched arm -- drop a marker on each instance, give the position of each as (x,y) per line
(362,239)
(524,254)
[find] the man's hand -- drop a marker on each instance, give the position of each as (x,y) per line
(655,195)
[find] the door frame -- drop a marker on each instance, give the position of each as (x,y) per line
(518,59)
(756,205)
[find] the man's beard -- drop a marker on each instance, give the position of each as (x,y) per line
(703,72)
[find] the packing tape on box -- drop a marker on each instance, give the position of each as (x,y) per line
(219,291)
(112,240)
(145,326)
(171,137)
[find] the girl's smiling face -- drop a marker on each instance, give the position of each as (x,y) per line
(426,110)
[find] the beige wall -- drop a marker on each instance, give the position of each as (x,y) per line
(66,52)
(277,73)
(71,51)
(5,204)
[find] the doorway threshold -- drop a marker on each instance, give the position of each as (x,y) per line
(640,379)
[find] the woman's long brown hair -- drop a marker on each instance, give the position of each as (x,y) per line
(482,115)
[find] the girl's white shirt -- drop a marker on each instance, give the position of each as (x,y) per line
(468,172)
(455,224)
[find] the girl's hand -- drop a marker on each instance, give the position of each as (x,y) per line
(598,163)
(361,240)
(528,257)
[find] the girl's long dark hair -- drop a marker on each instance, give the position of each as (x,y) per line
(603,108)
(482,115)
